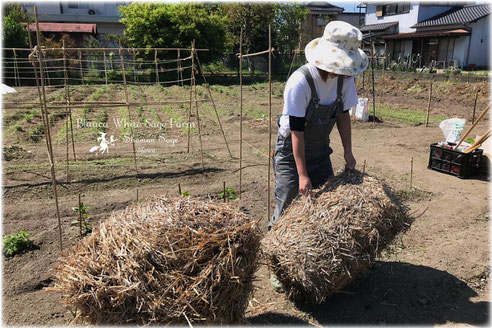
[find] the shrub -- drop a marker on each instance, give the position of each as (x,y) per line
(16,243)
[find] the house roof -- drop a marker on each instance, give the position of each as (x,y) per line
(323,6)
(463,15)
(437,33)
(65,27)
(377,27)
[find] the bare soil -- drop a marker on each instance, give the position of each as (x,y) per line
(436,273)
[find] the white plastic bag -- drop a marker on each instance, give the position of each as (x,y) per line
(361,110)
(452,128)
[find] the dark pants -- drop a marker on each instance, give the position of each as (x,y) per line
(318,166)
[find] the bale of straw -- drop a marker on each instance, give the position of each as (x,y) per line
(167,261)
(322,242)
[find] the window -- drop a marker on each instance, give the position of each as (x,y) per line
(320,21)
(393,9)
(73,5)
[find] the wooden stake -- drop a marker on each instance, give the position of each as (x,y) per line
(429,106)
(105,69)
(364,167)
(180,69)
(137,195)
(473,126)
(16,70)
(66,104)
(411,173)
(191,91)
(475,106)
(156,67)
(241,113)
(372,77)
(135,77)
(80,216)
(128,107)
(179,189)
(213,104)
(224,191)
(196,107)
(47,125)
(80,67)
(269,116)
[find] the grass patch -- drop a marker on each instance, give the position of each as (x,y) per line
(406,116)
(257,114)
(415,89)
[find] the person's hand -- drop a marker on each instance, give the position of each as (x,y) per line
(349,160)
(305,185)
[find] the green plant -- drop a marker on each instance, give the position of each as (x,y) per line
(86,227)
(185,194)
(16,243)
(230,194)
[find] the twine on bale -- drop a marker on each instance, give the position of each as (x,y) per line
(322,242)
(166,261)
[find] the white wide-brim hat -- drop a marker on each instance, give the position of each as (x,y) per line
(338,50)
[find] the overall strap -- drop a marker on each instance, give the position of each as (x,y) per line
(314,95)
(339,88)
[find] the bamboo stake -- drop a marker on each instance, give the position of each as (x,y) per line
(191,92)
(66,106)
(224,191)
(180,69)
(197,114)
(137,195)
(135,77)
(128,107)
(269,116)
(80,66)
(213,104)
(80,216)
(475,106)
(411,173)
(241,113)
(472,127)
(364,167)
(179,189)
(156,67)
(47,125)
(479,141)
(16,70)
(429,106)
(105,69)
(372,77)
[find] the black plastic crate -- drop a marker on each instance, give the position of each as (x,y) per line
(462,165)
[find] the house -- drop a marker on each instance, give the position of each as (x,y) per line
(441,34)
(320,13)
(82,19)
(356,19)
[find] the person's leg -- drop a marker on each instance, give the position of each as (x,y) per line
(286,185)
(321,172)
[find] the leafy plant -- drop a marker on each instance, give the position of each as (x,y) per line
(16,243)
(86,227)
(185,194)
(230,194)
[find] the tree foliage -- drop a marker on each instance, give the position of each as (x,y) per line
(175,25)
(288,20)
(14,33)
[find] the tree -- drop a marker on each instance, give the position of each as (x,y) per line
(14,33)
(288,21)
(175,26)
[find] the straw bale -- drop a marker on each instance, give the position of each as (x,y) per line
(322,242)
(166,261)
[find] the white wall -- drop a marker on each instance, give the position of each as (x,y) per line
(404,20)
(480,42)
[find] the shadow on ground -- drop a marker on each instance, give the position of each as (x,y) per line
(402,293)
(272,318)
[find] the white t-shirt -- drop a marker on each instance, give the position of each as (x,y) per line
(297,95)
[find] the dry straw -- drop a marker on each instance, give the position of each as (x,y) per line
(322,242)
(166,261)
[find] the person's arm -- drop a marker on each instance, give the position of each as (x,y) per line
(344,128)
(299,156)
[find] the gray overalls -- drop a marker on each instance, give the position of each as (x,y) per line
(320,120)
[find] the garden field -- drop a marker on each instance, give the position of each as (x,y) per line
(436,273)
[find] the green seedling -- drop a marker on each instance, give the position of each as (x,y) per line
(86,227)
(230,194)
(185,194)
(16,243)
